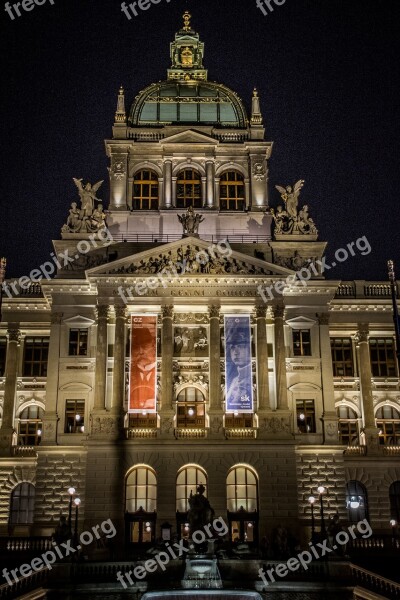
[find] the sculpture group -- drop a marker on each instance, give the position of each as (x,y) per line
(289,220)
(87,218)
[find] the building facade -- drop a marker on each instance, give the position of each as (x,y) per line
(322,403)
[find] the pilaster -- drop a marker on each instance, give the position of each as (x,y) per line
(329,417)
(370,430)
(10,386)
(51,417)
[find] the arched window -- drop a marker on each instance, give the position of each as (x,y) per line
(356,501)
(22,504)
(30,426)
(388,423)
(187,482)
(394,495)
(188,190)
(231,191)
(145,191)
(191,408)
(141,490)
(348,426)
(242,500)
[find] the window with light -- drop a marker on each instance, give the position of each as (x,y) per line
(348,426)
(188,189)
(187,482)
(74,416)
(30,426)
(145,191)
(36,350)
(78,342)
(388,423)
(301,342)
(22,504)
(232,191)
(305,416)
(191,411)
(141,490)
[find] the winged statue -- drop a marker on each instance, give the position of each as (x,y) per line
(87,195)
(290,196)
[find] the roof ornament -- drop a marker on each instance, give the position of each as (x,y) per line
(120,115)
(256,116)
(186,21)
(289,220)
(190,222)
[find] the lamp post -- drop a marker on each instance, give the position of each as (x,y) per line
(393,523)
(77,502)
(71,492)
(321,491)
(311,500)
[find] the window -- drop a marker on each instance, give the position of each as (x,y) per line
(388,423)
(301,342)
(394,495)
(3,355)
(232,194)
(187,482)
(348,426)
(342,357)
(188,189)
(242,493)
(141,490)
(35,356)
(356,501)
(238,420)
(191,408)
(145,191)
(74,416)
(78,342)
(382,357)
(305,416)
(143,420)
(30,426)
(22,504)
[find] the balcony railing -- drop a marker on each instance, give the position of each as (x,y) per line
(376,583)
(183,434)
(25,544)
(365,289)
(164,238)
(24,451)
(363,450)
(143,432)
(240,433)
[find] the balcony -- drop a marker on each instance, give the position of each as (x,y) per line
(184,434)
(24,451)
(140,432)
(241,433)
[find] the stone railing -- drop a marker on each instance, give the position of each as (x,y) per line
(24,585)
(182,434)
(23,451)
(363,451)
(376,583)
(143,432)
(241,433)
(374,544)
(356,451)
(34,290)
(390,450)
(228,136)
(25,544)
(365,289)
(145,136)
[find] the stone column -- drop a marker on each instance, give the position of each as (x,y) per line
(173,199)
(262,360)
(370,429)
(167,184)
(210,183)
(217,193)
(247,193)
(101,358)
(329,417)
(280,359)
(204,191)
(50,419)
(118,389)
(215,410)
(10,387)
(166,409)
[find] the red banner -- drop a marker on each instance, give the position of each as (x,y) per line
(143,368)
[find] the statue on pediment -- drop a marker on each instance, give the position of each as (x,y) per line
(87,195)
(289,220)
(190,222)
(87,218)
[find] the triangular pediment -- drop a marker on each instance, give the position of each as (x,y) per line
(78,321)
(190,256)
(190,136)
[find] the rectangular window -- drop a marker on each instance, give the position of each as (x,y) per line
(382,357)
(78,342)
(238,421)
(305,416)
(74,416)
(36,350)
(342,357)
(301,342)
(3,355)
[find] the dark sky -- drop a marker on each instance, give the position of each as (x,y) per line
(328,75)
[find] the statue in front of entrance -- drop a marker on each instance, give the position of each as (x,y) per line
(190,222)
(200,511)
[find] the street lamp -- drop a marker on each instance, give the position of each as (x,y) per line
(71,492)
(311,500)
(321,491)
(77,502)
(393,523)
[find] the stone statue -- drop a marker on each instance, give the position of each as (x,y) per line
(87,195)
(190,222)
(290,196)
(291,220)
(200,511)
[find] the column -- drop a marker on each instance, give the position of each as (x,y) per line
(204,191)
(167,349)
(247,193)
(215,359)
(210,183)
(118,389)
(168,184)
(173,199)
(329,417)
(101,358)
(370,429)
(280,359)
(50,419)
(262,360)
(217,193)
(10,386)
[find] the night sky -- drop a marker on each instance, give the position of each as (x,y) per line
(328,76)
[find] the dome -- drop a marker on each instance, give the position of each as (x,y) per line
(188,102)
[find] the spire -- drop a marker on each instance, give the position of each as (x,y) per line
(256,116)
(120,115)
(187,53)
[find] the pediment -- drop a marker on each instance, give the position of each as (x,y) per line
(190,256)
(78,321)
(190,136)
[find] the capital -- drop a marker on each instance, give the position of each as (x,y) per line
(103,311)
(14,335)
(323,318)
(167,311)
(261,312)
(362,333)
(214,311)
(278,311)
(120,312)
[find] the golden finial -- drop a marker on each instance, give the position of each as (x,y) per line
(186,21)
(255,93)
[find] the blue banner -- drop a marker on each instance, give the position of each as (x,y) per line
(238,370)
